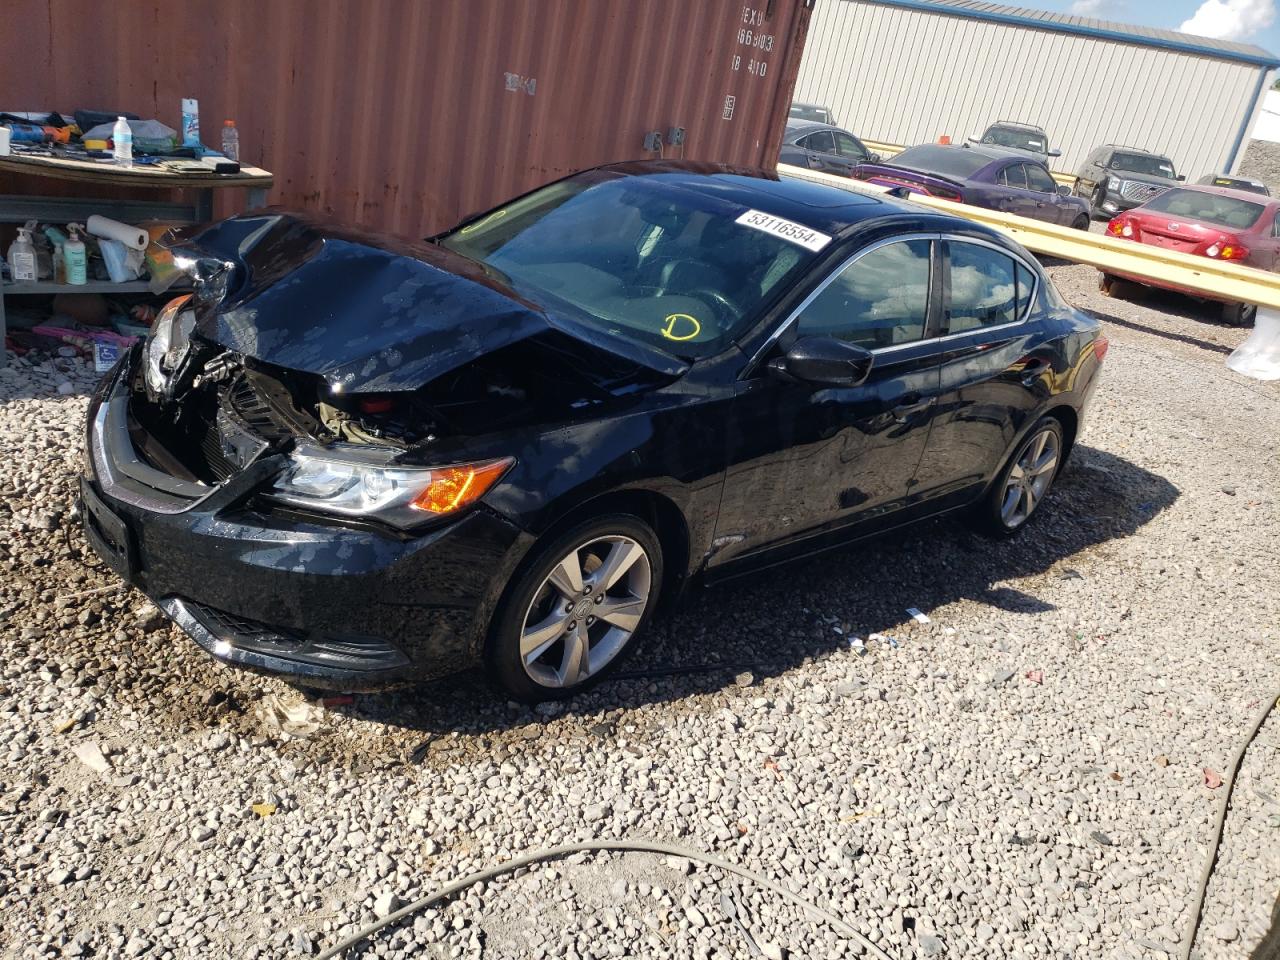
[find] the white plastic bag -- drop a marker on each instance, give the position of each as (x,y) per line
(1259,356)
(122,263)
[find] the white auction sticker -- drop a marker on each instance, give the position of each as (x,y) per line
(793,232)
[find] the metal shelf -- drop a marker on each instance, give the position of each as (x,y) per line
(93,286)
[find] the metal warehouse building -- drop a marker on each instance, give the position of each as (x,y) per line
(910,71)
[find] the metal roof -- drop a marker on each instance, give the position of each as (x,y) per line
(1090,27)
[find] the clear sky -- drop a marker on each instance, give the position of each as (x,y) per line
(1250,21)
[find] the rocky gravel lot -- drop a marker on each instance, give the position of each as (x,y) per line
(1026,775)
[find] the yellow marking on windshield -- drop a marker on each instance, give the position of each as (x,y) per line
(496,215)
(669,331)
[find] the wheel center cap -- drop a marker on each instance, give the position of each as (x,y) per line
(583,607)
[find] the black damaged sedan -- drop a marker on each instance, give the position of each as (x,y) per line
(356,462)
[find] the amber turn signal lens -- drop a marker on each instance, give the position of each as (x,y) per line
(452,488)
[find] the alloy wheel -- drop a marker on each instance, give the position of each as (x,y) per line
(585,611)
(1029,478)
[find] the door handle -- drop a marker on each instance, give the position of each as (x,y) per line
(908,405)
(814,161)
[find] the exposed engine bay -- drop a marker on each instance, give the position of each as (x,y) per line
(216,402)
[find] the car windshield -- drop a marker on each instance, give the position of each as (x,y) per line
(1019,139)
(642,258)
(1252,186)
(947,161)
(806,111)
(1143,163)
(1207,207)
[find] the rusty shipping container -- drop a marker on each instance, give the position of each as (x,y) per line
(405,115)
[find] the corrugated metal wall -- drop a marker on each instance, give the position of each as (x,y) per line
(905,76)
(407,114)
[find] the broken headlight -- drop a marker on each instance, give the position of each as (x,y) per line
(167,344)
(358,481)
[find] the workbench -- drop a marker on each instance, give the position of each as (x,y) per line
(63,210)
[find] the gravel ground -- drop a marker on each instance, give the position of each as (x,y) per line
(1024,776)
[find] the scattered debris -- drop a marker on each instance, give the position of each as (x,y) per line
(340,700)
(1003,676)
(917,615)
(1212,779)
(62,726)
(290,720)
(1115,775)
(1035,676)
(730,909)
(263,810)
(91,755)
(858,647)
(1162,761)
(1071,574)
(884,638)
(1102,838)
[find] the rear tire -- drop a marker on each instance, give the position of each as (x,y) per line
(572,612)
(1023,483)
(1082,222)
(1239,314)
(1112,286)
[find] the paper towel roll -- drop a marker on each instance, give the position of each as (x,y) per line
(133,237)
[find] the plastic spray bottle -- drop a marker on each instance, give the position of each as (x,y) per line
(122,140)
(74,256)
(22,257)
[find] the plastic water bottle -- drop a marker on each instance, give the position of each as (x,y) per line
(230,140)
(122,140)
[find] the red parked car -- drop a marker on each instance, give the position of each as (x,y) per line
(1213,222)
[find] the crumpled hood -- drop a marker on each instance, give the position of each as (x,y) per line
(368,313)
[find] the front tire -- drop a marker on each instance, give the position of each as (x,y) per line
(1025,481)
(571,614)
(1082,222)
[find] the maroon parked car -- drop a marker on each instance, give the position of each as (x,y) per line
(985,176)
(1214,222)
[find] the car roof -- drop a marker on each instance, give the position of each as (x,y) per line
(1016,125)
(1138,150)
(816,205)
(797,127)
(987,151)
(1227,192)
(813,106)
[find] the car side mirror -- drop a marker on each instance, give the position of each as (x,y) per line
(1064,190)
(824,360)
(1054,153)
(874,158)
(1181,178)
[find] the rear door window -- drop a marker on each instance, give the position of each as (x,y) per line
(983,286)
(879,300)
(820,142)
(1014,176)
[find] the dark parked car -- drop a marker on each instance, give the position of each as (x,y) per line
(820,146)
(989,177)
(356,461)
(811,111)
(1023,137)
(1246,184)
(1115,179)
(1233,225)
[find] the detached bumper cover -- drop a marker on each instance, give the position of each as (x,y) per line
(327,604)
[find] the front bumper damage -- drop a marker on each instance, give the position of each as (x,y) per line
(320,602)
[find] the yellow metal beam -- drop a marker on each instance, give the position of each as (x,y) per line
(1212,278)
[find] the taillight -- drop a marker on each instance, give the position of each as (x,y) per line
(1223,250)
(376,404)
(1121,226)
(1100,347)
